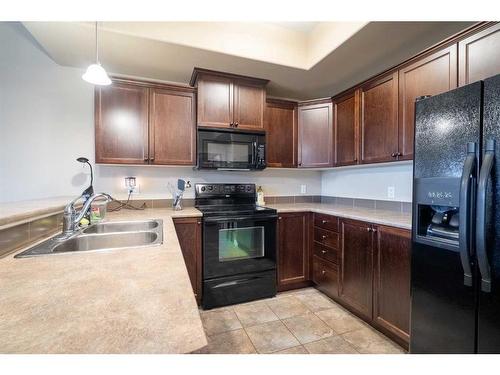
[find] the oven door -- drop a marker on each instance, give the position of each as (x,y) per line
(224,150)
(238,245)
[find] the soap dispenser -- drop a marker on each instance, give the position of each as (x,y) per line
(260,197)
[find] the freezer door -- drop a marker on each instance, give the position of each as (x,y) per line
(447,136)
(488,235)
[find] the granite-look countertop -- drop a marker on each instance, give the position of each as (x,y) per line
(383,217)
(136,300)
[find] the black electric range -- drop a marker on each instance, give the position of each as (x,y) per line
(239,244)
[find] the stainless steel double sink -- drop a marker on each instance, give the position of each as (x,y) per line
(102,236)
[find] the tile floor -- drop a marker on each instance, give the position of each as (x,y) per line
(296,322)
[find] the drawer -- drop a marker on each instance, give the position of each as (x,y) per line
(326,277)
(326,222)
(326,237)
(325,252)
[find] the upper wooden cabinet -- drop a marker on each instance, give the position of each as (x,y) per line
(139,122)
(293,250)
(431,75)
(229,101)
(121,124)
(172,134)
(346,128)
(315,134)
(391,286)
(479,55)
(280,123)
(379,119)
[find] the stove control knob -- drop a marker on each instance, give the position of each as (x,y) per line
(203,188)
(210,188)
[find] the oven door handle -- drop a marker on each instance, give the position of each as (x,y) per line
(239,218)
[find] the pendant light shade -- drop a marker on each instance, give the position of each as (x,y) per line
(95,73)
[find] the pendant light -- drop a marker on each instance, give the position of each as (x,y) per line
(95,73)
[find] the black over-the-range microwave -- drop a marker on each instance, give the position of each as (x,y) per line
(225,149)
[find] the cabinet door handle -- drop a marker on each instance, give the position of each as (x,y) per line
(146,159)
(323,251)
(368,229)
(152,159)
(324,237)
(279,218)
(300,164)
(324,221)
(393,154)
(236,124)
(323,272)
(374,230)
(399,154)
(231,124)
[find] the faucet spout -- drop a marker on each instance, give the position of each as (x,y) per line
(71,218)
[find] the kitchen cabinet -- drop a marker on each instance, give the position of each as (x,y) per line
(229,101)
(325,276)
(346,128)
(172,132)
(356,267)
(391,289)
(121,124)
(138,122)
(189,235)
(315,134)
(479,55)
(379,119)
(431,75)
(280,124)
(293,250)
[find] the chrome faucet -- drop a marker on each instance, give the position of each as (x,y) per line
(71,217)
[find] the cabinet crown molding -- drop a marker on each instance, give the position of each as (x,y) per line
(198,71)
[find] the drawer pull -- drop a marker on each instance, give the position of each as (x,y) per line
(323,251)
(324,221)
(324,237)
(323,272)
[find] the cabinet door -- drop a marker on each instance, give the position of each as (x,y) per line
(346,122)
(121,124)
(189,234)
(431,75)
(379,120)
(479,55)
(316,135)
(280,123)
(215,101)
(357,266)
(249,103)
(391,307)
(293,250)
(172,127)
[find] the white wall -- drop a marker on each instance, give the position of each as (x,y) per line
(370,182)
(153,180)
(46,121)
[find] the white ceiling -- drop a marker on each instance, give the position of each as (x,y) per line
(302,60)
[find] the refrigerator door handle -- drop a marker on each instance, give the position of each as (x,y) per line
(482,256)
(465,212)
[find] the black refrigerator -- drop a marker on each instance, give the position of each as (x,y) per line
(455,271)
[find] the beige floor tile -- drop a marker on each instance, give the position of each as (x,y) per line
(287,307)
(254,313)
(271,337)
(340,320)
(232,342)
(219,321)
(330,345)
(295,350)
(308,327)
(367,340)
(315,301)
(297,291)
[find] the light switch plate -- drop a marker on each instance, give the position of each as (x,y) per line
(391,192)
(303,189)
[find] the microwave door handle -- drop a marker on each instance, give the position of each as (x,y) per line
(482,256)
(465,212)
(240,218)
(254,153)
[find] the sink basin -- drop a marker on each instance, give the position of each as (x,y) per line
(122,226)
(102,236)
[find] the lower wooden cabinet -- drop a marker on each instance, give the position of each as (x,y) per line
(391,283)
(325,276)
(189,234)
(293,250)
(356,266)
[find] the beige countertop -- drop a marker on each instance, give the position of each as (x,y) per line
(383,217)
(136,300)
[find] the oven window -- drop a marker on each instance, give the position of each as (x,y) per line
(241,243)
(228,152)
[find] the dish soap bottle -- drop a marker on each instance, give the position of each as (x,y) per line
(260,197)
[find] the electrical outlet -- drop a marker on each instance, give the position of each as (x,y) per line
(391,192)
(303,189)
